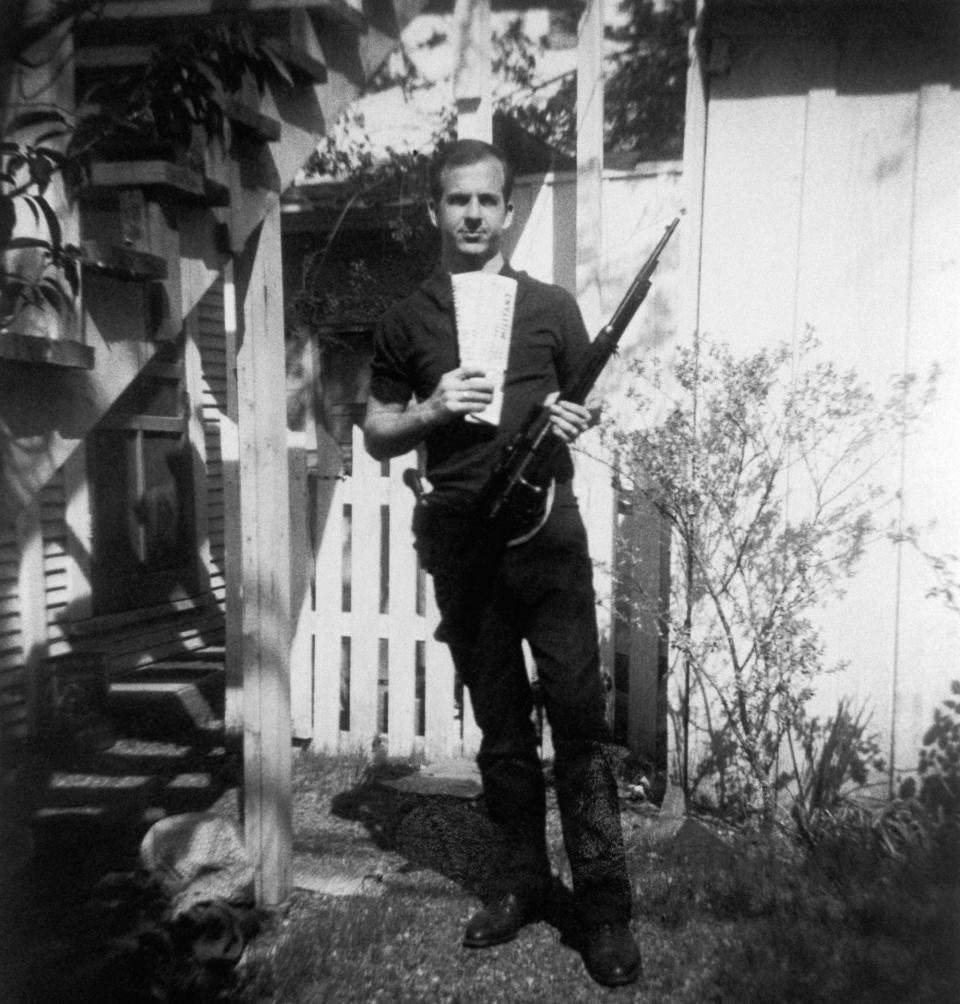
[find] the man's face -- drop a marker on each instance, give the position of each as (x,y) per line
(472,213)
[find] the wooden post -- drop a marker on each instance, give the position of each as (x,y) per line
(328,594)
(301,577)
(232,531)
(694,170)
(590,163)
(265,528)
(402,612)
(474,55)
(595,483)
(688,308)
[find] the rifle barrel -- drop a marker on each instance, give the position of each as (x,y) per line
(605,344)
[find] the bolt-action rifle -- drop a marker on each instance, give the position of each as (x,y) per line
(518,495)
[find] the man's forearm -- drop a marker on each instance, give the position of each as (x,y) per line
(392,433)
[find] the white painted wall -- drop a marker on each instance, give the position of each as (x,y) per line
(838,205)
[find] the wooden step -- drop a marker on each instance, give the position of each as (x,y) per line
(159,174)
(35,350)
(166,699)
(123,263)
(250,120)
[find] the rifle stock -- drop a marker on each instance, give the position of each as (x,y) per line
(518,493)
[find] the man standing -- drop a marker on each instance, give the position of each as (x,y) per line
(539,590)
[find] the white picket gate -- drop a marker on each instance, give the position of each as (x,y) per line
(376,670)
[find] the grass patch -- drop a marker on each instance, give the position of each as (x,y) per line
(847,918)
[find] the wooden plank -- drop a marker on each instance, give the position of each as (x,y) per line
(337,11)
(589,236)
(122,262)
(151,648)
(251,120)
(442,733)
(642,719)
(752,197)
(111,622)
(852,286)
(328,579)
(265,523)
(694,173)
(366,501)
(146,174)
(598,508)
(929,643)
(403,618)
(33,606)
(193,385)
(232,531)
(34,350)
(301,575)
(473,54)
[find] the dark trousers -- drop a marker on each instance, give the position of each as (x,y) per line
(541,591)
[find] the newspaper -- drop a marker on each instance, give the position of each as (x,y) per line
(483,305)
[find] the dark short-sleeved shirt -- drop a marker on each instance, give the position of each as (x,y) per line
(416,343)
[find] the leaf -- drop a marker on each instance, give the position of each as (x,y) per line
(51,134)
(279,67)
(55,156)
(35,117)
(72,274)
(29,200)
(53,295)
(53,224)
(22,243)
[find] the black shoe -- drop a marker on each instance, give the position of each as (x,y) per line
(498,922)
(611,955)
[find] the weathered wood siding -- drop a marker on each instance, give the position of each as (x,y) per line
(56,558)
(832,199)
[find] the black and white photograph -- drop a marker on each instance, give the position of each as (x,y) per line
(479,510)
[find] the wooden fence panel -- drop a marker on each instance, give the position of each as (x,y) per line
(362,575)
(327,597)
(377,671)
(405,627)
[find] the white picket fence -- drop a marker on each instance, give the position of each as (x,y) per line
(366,666)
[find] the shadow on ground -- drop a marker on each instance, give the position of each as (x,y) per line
(451,836)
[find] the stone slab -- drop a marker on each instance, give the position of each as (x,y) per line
(426,784)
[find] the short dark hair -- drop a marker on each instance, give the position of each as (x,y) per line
(463,152)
